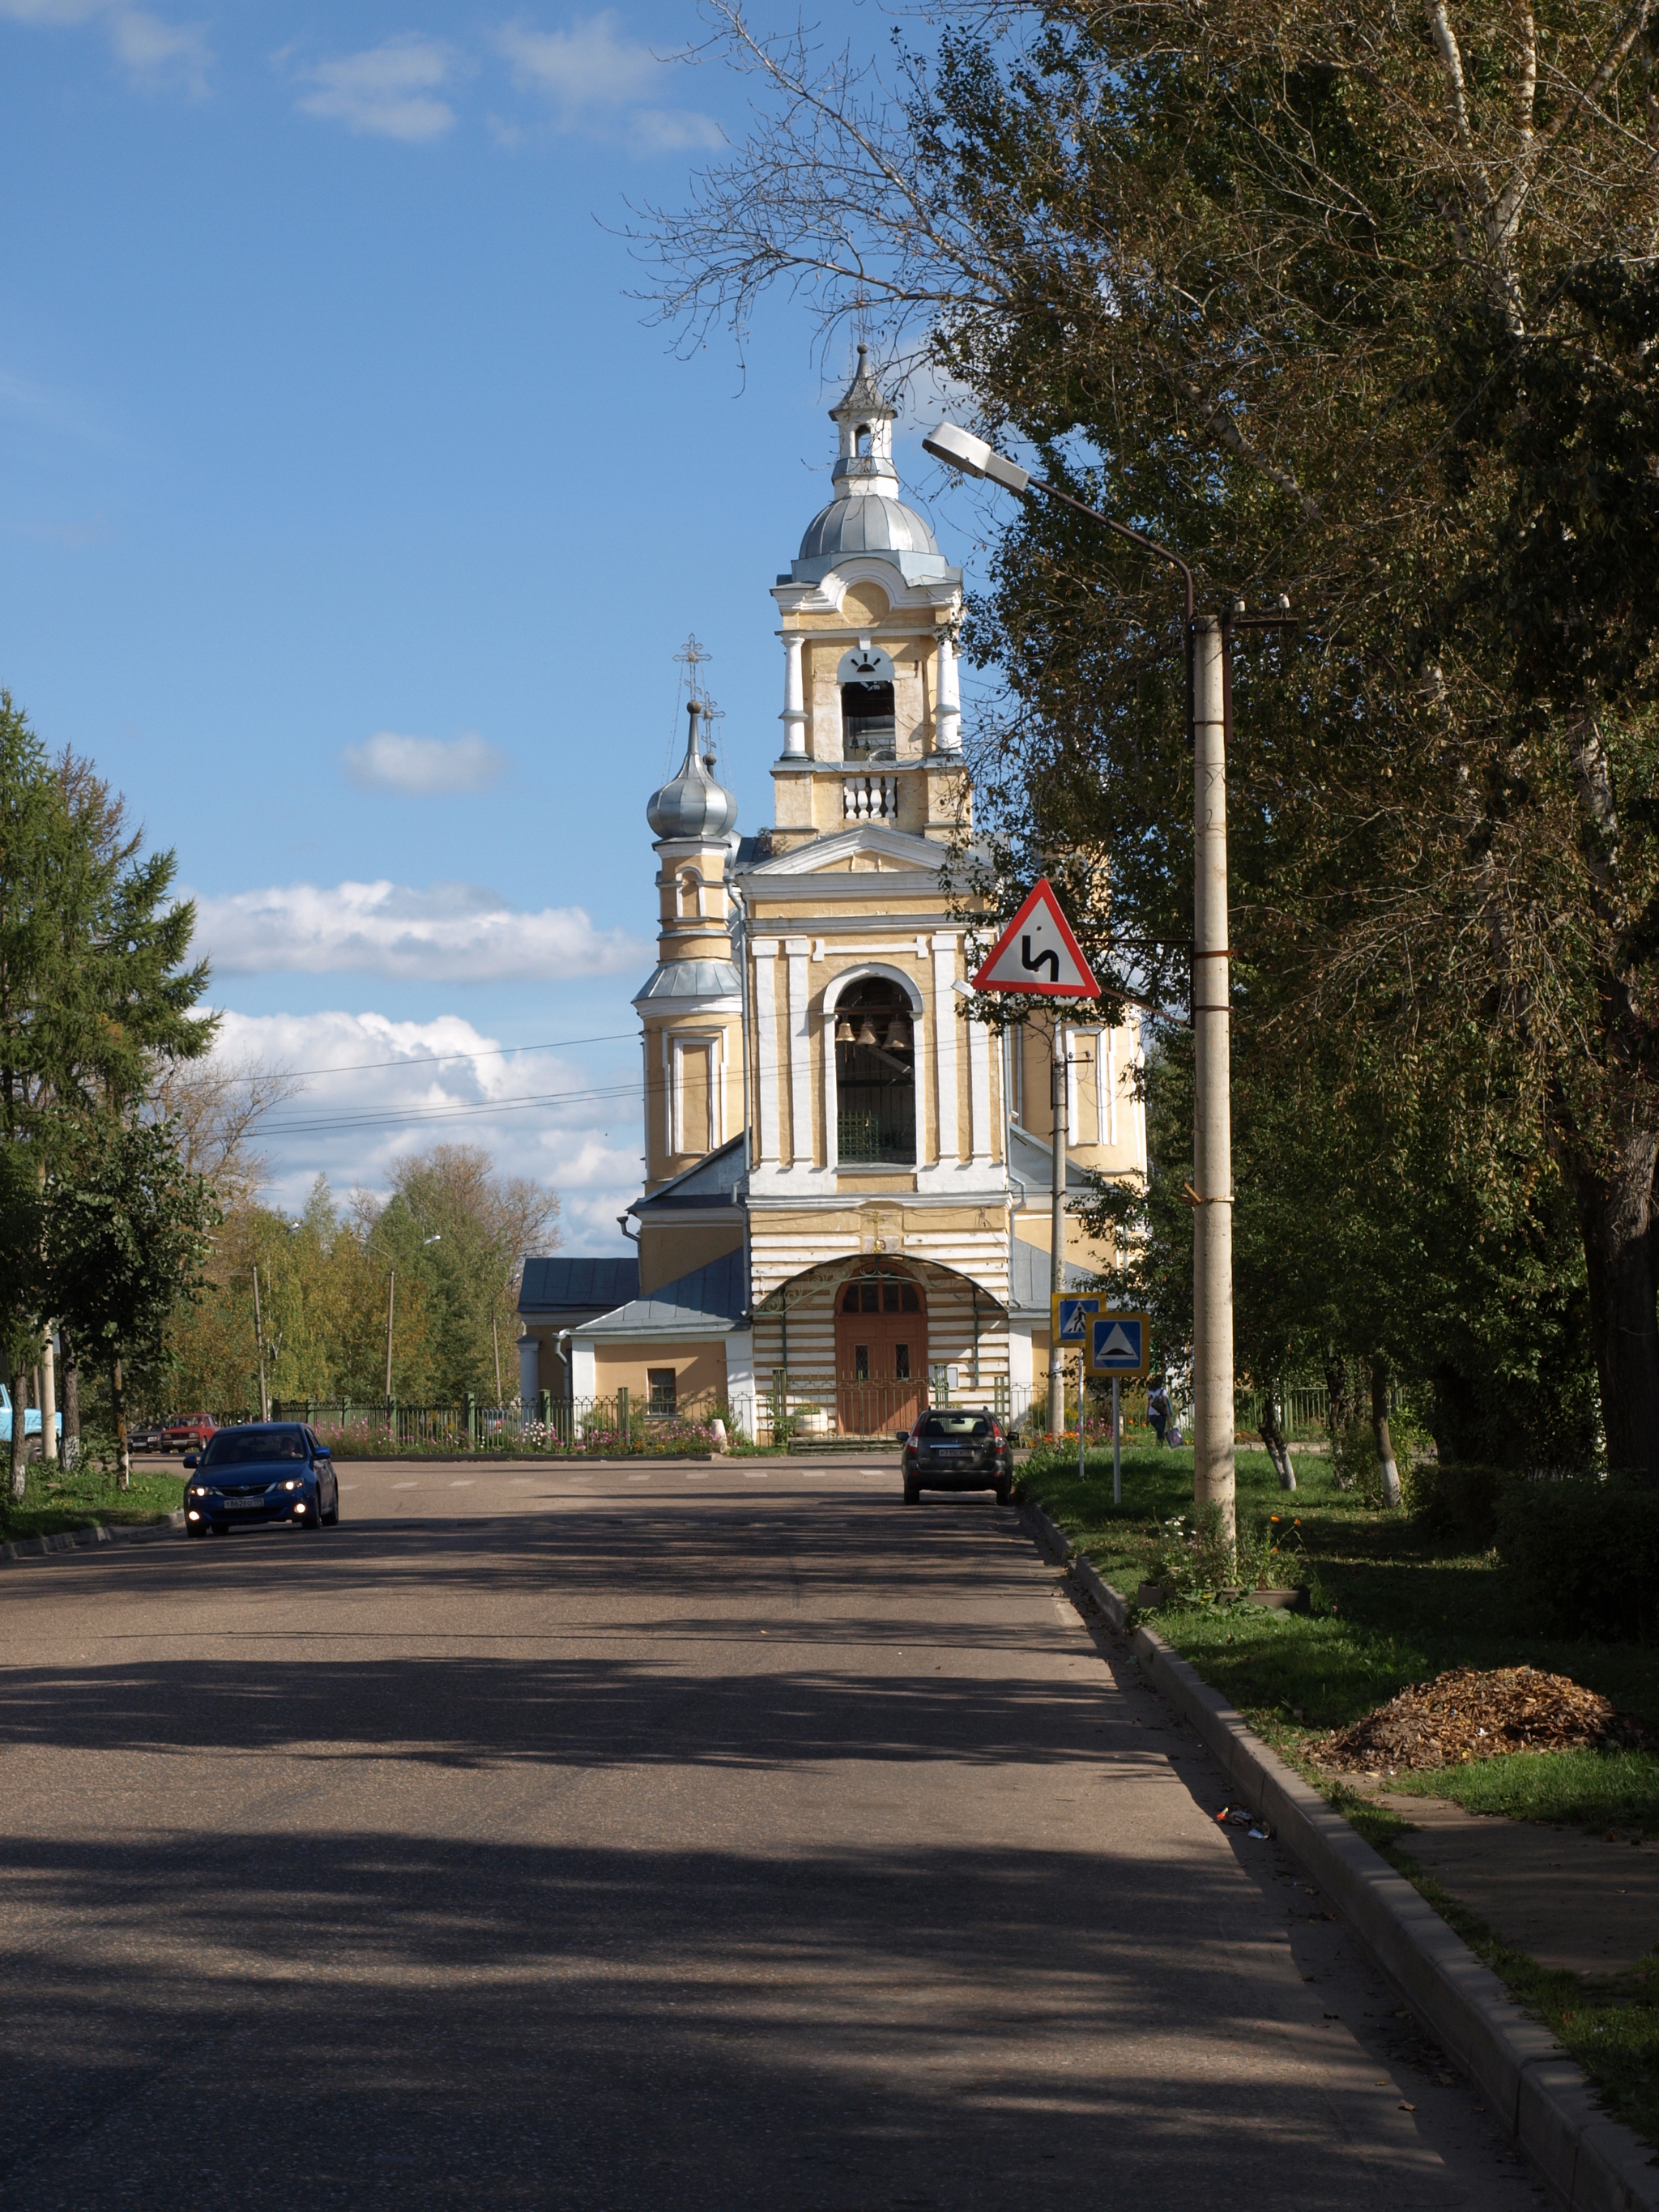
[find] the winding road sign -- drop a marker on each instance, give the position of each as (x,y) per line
(1038,953)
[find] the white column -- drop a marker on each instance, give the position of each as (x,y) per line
(944,1056)
(766,1047)
(979,1089)
(947,710)
(740,1375)
(584,1371)
(1106,1088)
(799,949)
(793,716)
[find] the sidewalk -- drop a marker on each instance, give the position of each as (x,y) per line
(1567,1897)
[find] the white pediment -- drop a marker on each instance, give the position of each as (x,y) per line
(836,854)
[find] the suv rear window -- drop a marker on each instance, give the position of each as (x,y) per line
(955,1425)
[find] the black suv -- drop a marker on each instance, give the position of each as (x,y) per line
(958,1447)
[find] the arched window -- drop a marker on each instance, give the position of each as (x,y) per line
(875,1076)
(688,895)
(868,727)
(861,441)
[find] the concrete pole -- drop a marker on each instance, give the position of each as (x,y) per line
(48,1398)
(1057,1227)
(1213,1151)
(259,1339)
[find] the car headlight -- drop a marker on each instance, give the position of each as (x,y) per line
(196,1491)
(290,1485)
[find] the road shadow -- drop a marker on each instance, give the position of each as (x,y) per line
(292,2019)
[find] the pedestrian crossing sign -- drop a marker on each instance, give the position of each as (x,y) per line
(1069,1317)
(1118,1344)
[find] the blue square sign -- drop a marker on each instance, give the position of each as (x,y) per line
(1070,1317)
(1117,1343)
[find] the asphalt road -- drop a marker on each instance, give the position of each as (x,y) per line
(698,1839)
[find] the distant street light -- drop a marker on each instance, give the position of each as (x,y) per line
(1207,644)
(391,1308)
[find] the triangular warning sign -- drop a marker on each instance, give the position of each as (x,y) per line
(1117,1346)
(1037,952)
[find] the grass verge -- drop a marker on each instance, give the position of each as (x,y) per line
(56,1499)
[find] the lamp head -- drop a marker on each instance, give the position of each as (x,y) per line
(960,449)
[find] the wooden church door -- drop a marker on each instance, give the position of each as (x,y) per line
(881,1354)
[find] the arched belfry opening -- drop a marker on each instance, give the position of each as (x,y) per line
(869,727)
(875,1075)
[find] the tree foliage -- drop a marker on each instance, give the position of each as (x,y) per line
(1358,305)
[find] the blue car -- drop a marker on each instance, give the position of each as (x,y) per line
(267,1471)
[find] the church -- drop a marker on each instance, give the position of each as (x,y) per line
(846,1211)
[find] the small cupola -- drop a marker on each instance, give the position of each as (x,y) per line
(692,805)
(865,417)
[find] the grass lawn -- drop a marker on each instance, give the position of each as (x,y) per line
(1396,1605)
(56,1500)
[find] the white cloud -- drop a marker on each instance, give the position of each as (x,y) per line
(423,768)
(154,53)
(448,932)
(376,1089)
(388,90)
(597,78)
(674,130)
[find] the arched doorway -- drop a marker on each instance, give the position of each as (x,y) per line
(881,1353)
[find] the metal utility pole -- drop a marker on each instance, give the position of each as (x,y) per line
(259,1339)
(1213,1148)
(1059,1103)
(390,1306)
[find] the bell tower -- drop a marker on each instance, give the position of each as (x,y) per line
(872,717)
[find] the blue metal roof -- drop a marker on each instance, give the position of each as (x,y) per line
(576,1285)
(710,1300)
(714,1180)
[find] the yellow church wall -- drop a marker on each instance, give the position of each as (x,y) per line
(699,1369)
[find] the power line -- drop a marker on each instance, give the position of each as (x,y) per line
(439,1058)
(313,1125)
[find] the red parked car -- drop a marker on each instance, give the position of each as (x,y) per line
(187,1432)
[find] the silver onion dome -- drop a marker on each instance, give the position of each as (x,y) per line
(693,804)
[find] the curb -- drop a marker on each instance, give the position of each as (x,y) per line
(1541,2096)
(88,1539)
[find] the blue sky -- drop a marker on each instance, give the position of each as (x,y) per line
(350,520)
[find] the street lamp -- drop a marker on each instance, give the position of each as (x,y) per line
(391,1308)
(1211,1188)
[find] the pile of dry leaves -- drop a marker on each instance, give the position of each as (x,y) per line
(1467,1715)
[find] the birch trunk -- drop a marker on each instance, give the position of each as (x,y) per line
(1380,1431)
(1272,1435)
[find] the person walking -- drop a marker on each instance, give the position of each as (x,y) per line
(1158,1409)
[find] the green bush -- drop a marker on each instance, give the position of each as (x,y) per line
(1456,1500)
(1585,1552)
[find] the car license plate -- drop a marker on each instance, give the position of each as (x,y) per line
(245,1504)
